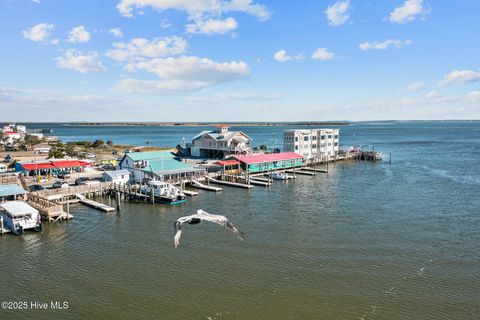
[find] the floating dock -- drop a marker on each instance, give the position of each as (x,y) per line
(199,185)
(232,184)
(260,183)
(94,204)
(190,192)
(306,173)
(315,169)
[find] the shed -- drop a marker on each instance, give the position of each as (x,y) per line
(117,176)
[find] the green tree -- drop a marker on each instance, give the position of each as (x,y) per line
(97,143)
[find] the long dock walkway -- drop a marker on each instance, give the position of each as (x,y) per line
(199,185)
(94,204)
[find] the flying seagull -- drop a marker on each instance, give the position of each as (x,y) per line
(205,216)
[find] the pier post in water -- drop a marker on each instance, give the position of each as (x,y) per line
(117,201)
(1,224)
(152,195)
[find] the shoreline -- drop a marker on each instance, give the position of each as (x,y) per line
(202,124)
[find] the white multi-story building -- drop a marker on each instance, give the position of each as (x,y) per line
(313,144)
(219,143)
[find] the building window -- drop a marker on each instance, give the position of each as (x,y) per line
(314,146)
(305,138)
(329,136)
(296,147)
(336,136)
(314,138)
(336,144)
(322,137)
(296,138)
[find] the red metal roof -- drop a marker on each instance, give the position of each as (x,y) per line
(271,157)
(54,164)
(38,166)
(228,163)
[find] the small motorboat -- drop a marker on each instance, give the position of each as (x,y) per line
(279,176)
(163,192)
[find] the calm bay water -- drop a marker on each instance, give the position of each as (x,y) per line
(365,241)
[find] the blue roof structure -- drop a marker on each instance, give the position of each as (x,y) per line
(11,190)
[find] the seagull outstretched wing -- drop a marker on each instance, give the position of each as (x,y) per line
(203,216)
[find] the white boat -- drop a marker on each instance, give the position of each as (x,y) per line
(19,216)
(164,192)
(279,176)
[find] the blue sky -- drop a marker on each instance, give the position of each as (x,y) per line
(239,60)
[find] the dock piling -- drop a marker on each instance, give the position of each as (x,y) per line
(152,195)
(117,201)
(1,224)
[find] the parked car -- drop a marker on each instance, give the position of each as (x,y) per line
(81,180)
(8,158)
(63,175)
(35,187)
(60,184)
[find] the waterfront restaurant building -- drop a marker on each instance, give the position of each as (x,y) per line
(219,143)
(51,167)
(157,165)
(314,145)
(255,163)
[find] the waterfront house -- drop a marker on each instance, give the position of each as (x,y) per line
(51,167)
(219,143)
(260,162)
(117,176)
(11,192)
(314,145)
(157,165)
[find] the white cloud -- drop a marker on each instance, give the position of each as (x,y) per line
(140,48)
(408,11)
(196,8)
(433,95)
(375,45)
(322,54)
(183,74)
(36,1)
(460,76)
(38,33)
(78,34)
(116,32)
(55,41)
(282,56)
(83,63)
(211,26)
(473,97)
(415,86)
(337,14)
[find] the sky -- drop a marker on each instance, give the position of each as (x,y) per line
(239,60)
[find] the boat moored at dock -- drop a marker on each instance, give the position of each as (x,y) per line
(19,216)
(163,192)
(279,176)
